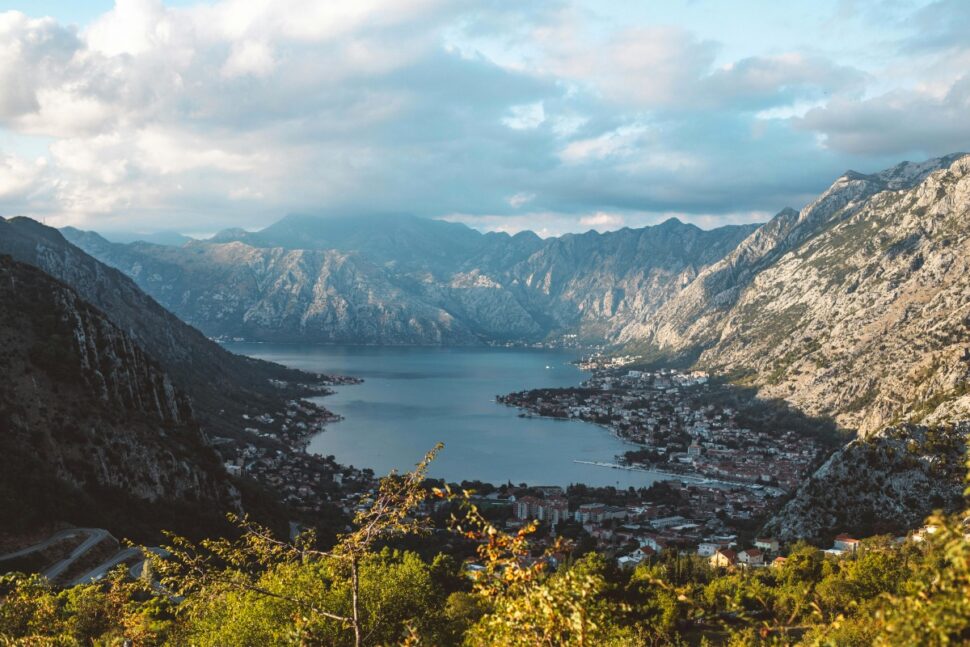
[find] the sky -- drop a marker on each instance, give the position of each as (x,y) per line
(555,116)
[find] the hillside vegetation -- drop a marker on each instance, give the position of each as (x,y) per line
(260,591)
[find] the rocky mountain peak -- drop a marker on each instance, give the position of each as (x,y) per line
(907,175)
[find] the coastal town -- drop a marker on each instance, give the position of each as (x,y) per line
(721,463)
(634,527)
(272,452)
(724,459)
(684,424)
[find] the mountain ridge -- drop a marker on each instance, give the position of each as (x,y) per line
(459,286)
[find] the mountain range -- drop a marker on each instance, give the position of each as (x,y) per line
(223,386)
(111,406)
(397,279)
(855,308)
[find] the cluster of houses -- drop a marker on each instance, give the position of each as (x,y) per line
(305,481)
(766,552)
(722,555)
(653,528)
(570,340)
(555,510)
(273,455)
(669,413)
(683,515)
(600,362)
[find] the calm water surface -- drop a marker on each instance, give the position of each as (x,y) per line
(414,397)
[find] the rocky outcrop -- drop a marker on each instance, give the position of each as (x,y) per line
(404,280)
(693,319)
(888,482)
(868,320)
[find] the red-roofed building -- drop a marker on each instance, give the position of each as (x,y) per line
(723,558)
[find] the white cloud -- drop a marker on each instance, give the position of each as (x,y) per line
(103,158)
(926,121)
(249,58)
(602,221)
(525,117)
(623,141)
(19,177)
(174,152)
(131,27)
(520,199)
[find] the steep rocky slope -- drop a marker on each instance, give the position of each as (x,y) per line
(857,309)
(887,482)
(221,385)
(693,319)
(91,428)
(400,279)
(854,308)
(867,320)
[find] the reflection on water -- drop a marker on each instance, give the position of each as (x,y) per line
(415,397)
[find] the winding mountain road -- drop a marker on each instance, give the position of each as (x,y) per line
(93,537)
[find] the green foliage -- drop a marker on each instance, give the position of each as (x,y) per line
(258,590)
(395,589)
(32,612)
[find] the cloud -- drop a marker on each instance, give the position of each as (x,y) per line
(666,67)
(525,117)
(621,142)
(34,53)
(236,112)
(602,221)
(19,178)
(896,123)
(520,199)
(132,27)
(942,24)
(249,57)
(764,81)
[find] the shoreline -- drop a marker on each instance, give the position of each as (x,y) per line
(695,477)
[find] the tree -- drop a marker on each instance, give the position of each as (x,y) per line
(270,584)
